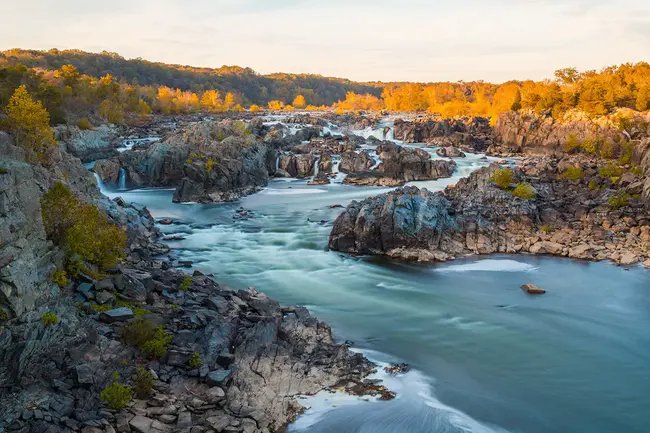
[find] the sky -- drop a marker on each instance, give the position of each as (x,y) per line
(364,40)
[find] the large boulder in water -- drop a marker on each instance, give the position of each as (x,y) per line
(108,170)
(354,162)
(299,166)
(412,164)
(224,171)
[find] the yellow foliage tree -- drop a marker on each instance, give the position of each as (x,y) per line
(299,102)
(29,123)
(255,108)
(276,105)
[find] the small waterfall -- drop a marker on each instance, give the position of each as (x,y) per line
(100,184)
(121,183)
(316,166)
(277,164)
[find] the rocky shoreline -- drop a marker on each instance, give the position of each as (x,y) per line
(224,360)
(571,218)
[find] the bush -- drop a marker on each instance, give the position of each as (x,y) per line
(186,283)
(142,383)
(255,108)
(619,200)
(84,124)
(636,170)
(195,360)
(610,171)
(573,173)
(116,395)
(546,229)
(209,165)
(3,171)
(49,319)
(525,191)
(609,149)
(503,177)
(571,143)
(60,278)
(594,185)
(589,146)
(151,339)
(81,229)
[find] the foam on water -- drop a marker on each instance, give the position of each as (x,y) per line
(489,265)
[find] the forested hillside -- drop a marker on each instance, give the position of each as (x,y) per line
(251,86)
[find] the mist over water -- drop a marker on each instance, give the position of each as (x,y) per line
(486,357)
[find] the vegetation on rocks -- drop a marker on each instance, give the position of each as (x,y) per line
(29,124)
(503,177)
(619,200)
(186,283)
(195,361)
(116,395)
(49,319)
(524,190)
(81,229)
(573,173)
(60,278)
(152,340)
(142,383)
(610,171)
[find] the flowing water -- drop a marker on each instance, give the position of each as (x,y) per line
(486,357)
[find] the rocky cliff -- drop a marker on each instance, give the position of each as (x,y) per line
(529,132)
(90,144)
(471,135)
(566,218)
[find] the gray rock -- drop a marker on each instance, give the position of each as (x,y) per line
(141,424)
(184,421)
(117,315)
(218,377)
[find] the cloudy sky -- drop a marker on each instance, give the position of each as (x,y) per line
(388,40)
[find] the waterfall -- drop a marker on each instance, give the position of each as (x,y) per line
(121,183)
(277,164)
(100,184)
(316,166)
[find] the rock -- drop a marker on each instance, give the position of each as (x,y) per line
(532,289)
(450,152)
(215,395)
(117,315)
(184,421)
(89,144)
(320,179)
(412,164)
(218,377)
(299,166)
(628,258)
(141,424)
(545,247)
(86,289)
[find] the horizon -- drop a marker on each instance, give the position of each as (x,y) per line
(504,41)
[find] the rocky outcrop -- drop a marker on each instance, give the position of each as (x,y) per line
(408,165)
(371,178)
(161,164)
(641,158)
(354,162)
(89,145)
(532,133)
(225,171)
(475,217)
(299,166)
(108,170)
(450,152)
(471,135)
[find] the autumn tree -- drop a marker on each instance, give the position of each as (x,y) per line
(567,75)
(29,123)
(299,102)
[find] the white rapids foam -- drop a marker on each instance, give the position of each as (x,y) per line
(489,265)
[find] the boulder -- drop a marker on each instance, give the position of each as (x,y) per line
(532,289)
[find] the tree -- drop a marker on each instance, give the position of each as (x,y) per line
(567,75)
(29,123)
(255,108)
(299,102)
(516,105)
(276,105)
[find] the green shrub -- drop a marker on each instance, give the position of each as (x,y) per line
(4,316)
(100,308)
(151,339)
(594,185)
(49,319)
(60,278)
(81,229)
(503,177)
(619,200)
(524,190)
(571,143)
(546,229)
(84,124)
(610,171)
(573,173)
(626,153)
(142,383)
(186,283)
(209,165)
(589,146)
(116,395)
(636,170)
(3,171)
(195,360)
(609,149)
(140,311)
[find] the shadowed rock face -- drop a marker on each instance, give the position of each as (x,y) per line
(476,217)
(641,158)
(471,135)
(88,145)
(412,164)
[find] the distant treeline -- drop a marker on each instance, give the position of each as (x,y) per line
(87,88)
(251,88)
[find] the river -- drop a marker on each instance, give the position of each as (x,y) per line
(486,357)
